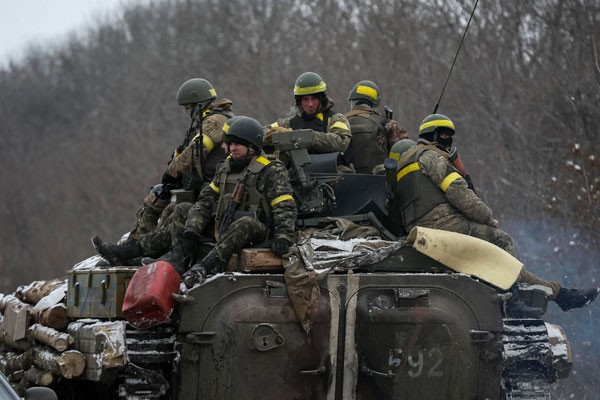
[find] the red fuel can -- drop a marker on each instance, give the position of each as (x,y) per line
(148,300)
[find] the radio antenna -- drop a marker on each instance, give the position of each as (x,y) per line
(455,57)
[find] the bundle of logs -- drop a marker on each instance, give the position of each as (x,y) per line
(34,350)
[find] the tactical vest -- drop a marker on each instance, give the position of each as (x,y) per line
(415,194)
(369,140)
(318,123)
(253,201)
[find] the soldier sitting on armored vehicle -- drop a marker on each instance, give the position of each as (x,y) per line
(191,165)
(439,197)
(254,203)
(314,110)
(372,134)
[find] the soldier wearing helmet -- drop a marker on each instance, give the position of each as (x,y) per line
(314,110)
(372,134)
(266,210)
(430,192)
(195,160)
(157,242)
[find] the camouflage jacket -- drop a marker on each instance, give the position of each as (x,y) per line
(271,183)
(332,130)
(460,200)
(183,161)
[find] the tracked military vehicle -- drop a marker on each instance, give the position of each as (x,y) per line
(402,326)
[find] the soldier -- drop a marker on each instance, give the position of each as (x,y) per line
(314,110)
(252,199)
(158,242)
(431,192)
(248,202)
(194,161)
(372,134)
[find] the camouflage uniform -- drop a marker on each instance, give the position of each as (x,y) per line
(372,137)
(267,198)
(332,130)
(168,233)
(431,193)
(185,167)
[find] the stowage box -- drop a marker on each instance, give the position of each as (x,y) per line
(98,293)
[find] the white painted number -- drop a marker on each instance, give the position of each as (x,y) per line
(431,360)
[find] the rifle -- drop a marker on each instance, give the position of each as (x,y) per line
(455,159)
(236,199)
(191,129)
(389,113)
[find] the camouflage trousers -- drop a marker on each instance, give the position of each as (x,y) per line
(242,232)
(461,224)
(168,233)
(148,214)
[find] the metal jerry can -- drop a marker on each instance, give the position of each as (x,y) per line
(149,298)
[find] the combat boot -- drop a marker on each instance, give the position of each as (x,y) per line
(174,257)
(118,254)
(515,308)
(209,265)
(568,299)
(212,263)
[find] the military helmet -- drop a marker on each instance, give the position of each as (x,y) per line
(227,125)
(366,90)
(196,90)
(247,129)
(309,83)
(400,147)
(435,121)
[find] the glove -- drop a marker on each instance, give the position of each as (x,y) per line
(269,133)
(189,245)
(167,179)
(280,246)
(396,131)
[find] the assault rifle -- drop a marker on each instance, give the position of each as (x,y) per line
(235,201)
(313,193)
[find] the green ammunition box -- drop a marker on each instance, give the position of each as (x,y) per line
(98,293)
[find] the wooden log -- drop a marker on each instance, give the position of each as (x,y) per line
(16,376)
(16,361)
(34,292)
(36,377)
(55,317)
(67,364)
(59,341)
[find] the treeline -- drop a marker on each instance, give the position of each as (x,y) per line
(89,124)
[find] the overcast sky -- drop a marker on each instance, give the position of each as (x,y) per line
(45,21)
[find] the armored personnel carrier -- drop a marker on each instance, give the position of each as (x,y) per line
(407,324)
